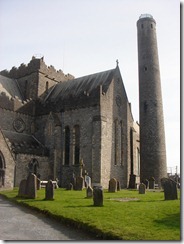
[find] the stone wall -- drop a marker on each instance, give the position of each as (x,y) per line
(9,163)
(116,133)
(22,170)
(8,117)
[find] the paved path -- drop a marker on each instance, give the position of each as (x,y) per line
(20,223)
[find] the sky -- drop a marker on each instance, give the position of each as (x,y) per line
(83,37)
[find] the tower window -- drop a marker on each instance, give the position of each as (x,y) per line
(151,26)
(145,68)
(142,26)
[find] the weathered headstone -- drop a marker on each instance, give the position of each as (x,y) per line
(113,185)
(170,189)
(152,183)
(22,188)
(49,190)
(79,183)
(118,186)
(98,196)
(89,192)
(132,182)
(38,184)
(31,186)
(142,188)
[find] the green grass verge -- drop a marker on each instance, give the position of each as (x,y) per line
(149,217)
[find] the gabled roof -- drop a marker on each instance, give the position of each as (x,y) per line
(80,86)
(10,87)
(24,143)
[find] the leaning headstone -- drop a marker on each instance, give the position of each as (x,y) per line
(31,186)
(118,186)
(98,196)
(113,185)
(49,190)
(22,188)
(142,188)
(170,189)
(89,192)
(79,183)
(152,183)
(38,184)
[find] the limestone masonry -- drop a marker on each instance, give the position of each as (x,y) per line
(53,124)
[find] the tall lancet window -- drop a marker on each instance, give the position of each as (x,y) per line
(76,144)
(67,145)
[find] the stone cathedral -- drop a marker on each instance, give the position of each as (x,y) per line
(51,122)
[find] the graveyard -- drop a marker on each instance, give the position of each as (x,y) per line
(126,214)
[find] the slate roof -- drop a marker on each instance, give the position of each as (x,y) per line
(80,86)
(24,143)
(10,87)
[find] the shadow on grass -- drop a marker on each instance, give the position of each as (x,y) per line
(171,221)
(80,206)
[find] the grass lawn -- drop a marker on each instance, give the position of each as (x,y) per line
(146,217)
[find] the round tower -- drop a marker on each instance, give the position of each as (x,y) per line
(152,133)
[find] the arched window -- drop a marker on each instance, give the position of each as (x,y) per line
(115,142)
(2,170)
(76,144)
(67,145)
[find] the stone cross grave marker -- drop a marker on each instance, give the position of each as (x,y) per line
(88,180)
(113,185)
(49,190)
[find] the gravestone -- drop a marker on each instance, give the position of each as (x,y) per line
(79,183)
(142,188)
(113,185)
(88,180)
(38,184)
(118,186)
(49,190)
(89,192)
(22,188)
(98,196)
(132,181)
(31,186)
(146,182)
(152,183)
(170,189)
